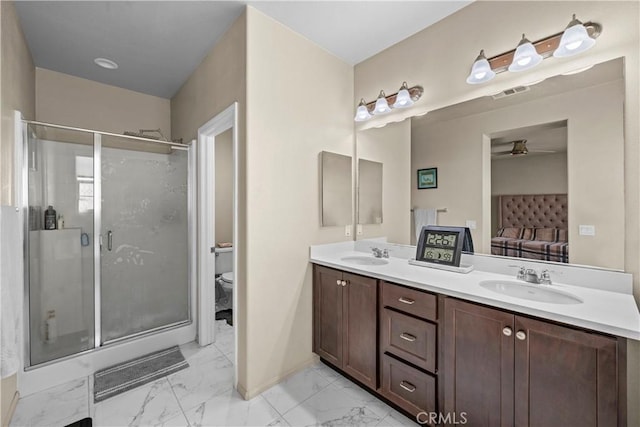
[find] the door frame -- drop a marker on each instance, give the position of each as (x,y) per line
(227,119)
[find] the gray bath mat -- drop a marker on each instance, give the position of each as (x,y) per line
(119,378)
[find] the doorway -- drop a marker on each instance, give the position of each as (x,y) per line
(212,136)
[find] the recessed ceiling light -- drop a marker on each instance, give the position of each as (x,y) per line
(106,63)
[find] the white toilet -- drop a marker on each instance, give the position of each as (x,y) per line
(224,268)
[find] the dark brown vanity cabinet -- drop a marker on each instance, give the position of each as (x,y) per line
(438,354)
(408,347)
(345,313)
(502,369)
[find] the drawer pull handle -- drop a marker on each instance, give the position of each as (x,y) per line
(407,386)
(406,300)
(407,337)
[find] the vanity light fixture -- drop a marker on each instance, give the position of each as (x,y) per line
(525,57)
(404,98)
(576,38)
(382,105)
(362,113)
(481,70)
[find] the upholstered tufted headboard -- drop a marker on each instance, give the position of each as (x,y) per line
(533,211)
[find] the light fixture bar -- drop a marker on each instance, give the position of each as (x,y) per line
(544,47)
(415,93)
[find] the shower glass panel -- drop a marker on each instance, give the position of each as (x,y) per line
(144,254)
(60,265)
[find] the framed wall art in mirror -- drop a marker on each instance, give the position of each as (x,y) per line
(427,178)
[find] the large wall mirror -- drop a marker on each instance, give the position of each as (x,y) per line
(369,204)
(543,163)
(335,171)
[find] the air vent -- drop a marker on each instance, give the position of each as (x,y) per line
(512,91)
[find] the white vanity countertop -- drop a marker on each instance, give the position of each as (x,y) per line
(613,313)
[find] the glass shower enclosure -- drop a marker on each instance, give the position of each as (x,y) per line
(107,244)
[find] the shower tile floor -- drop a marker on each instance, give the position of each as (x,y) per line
(203,395)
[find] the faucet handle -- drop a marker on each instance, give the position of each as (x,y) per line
(385,253)
(521,271)
(545,277)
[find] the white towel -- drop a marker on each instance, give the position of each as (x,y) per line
(11,285)
(422,217)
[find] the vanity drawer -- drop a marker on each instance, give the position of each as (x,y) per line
(411,339)
(407,387)
(421,304)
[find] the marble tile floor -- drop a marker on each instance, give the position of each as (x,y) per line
(202,395)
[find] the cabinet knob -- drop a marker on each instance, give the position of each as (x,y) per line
(344,283)
(338,282)
(407,337)
(407,386)
(521,335)
(507,331)
(406,300)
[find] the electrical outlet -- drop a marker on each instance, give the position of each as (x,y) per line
(587,230)
(347,230)
(359,229)
(471,224)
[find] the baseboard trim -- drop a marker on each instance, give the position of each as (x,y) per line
(12,409)
(250,394)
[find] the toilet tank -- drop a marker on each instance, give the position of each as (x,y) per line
(224,260)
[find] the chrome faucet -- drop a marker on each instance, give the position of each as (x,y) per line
(529,275)
(380,253)
(545,278)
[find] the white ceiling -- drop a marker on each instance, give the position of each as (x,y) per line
(158,44)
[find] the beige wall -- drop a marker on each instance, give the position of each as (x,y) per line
(18,92)
(224,187)
(299,103)
(72,101)
(391,146)
(17,88)
(443,67)
(218,82)
(532,174)
(455,147)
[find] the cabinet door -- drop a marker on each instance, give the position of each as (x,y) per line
(360,330)
(478,364)
(564,377)
(327,314)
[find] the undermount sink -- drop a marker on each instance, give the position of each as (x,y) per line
(365,260)
(540,293)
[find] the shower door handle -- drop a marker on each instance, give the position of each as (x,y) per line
(109,240)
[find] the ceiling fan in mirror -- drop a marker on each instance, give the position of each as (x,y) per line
(518,148)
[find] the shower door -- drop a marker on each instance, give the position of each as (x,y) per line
(144,238)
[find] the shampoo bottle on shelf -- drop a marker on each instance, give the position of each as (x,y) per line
(51,327)
(50,219)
